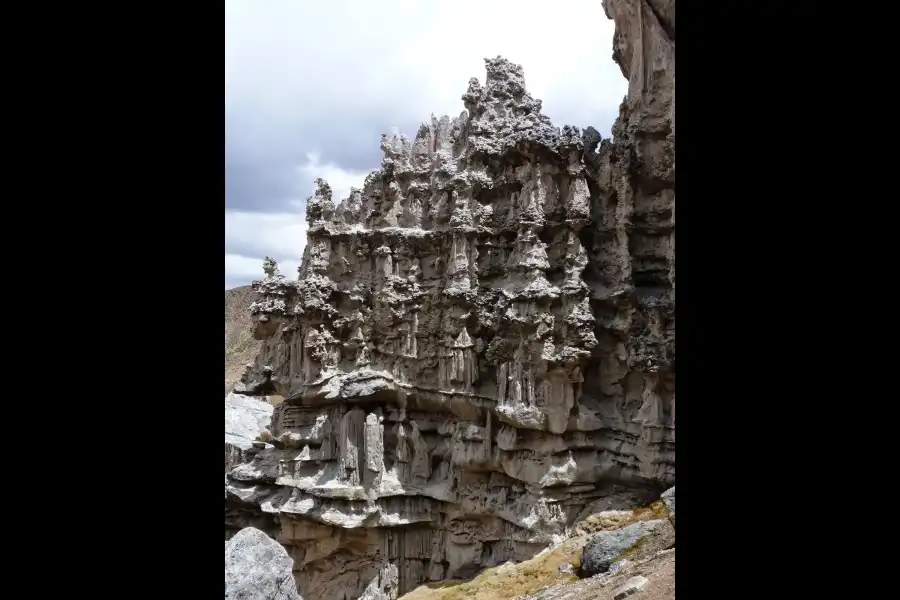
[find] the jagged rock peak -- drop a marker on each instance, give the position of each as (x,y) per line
(453,155)
(320,207)
(502,114)
(273,292)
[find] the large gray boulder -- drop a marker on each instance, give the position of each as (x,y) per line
(605,547)
(258,568)
(245,418)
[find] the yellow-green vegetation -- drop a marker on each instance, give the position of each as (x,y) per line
(631,551)
(522,579)
(531,576)
(616,520)
(657,510)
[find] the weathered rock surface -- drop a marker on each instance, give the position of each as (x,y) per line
(630,587)
(657,582)
(246,418)
(605,547)
(668,497)
(481,340)
(258,568)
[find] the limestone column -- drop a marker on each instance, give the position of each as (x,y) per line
(352,433)
(384,264)
(462,361)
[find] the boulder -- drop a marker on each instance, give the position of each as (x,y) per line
(245,418)
(258,568)
(605,547)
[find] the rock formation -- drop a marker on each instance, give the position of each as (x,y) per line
(605,547)
(480,345)
(246,418)
(257,568)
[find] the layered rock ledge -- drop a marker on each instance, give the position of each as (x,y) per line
(480,344)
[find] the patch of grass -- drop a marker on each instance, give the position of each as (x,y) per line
(656,510)
(437,585)
(631,551)
(499,583)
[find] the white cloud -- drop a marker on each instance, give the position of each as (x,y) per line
(291,57)
(253,235)
(241,270)
(339,179)
(279,235)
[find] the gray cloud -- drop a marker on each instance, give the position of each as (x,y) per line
(261,163)
(310,88)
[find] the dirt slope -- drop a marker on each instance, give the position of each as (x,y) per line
(240,347)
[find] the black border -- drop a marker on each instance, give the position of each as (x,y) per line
(752,98)
(140,428)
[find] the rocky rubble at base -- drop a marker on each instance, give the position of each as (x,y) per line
(479,349)
(652,578)
(636,546)
(258,568)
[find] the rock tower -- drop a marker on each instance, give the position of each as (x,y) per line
(480,344)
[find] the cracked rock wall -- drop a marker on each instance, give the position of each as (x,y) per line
(480,344)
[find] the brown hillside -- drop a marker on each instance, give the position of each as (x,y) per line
(240,347)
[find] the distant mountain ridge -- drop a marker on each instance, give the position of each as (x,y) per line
(240,347)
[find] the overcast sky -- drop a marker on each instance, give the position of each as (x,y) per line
(311,86)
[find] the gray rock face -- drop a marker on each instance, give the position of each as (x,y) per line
(258,568)
(480,342)
(602,550)
(668,499)
(245,418)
